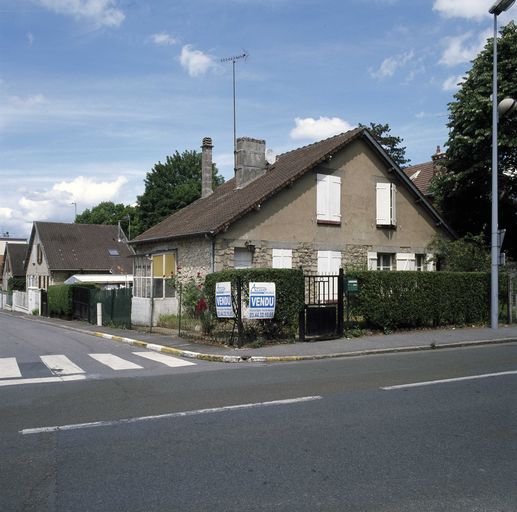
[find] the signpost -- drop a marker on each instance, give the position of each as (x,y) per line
(262,297)
(223,300)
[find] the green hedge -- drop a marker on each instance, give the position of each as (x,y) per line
(388,300)
(60,300)
(16,284)
(289,295)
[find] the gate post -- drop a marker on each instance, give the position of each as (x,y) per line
(340,303)
(301,324)
(240,327)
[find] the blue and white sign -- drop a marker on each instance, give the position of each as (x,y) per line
(262,300)
(223,300)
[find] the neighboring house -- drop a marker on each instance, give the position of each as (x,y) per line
(341,202)
(422,174)
(6,238)
(57,251)
(14,259)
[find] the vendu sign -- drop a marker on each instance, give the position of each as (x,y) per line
(223,300)
(262,300)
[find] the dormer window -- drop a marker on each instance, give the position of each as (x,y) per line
(113,252)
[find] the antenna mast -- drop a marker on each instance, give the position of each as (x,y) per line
(244,55)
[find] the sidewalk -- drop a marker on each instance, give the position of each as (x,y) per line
(343,347)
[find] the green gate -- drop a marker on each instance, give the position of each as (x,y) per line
(116,307)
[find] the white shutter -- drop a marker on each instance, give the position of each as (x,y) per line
(334,198)
(334,262)
(405,261)
(372,261)
(323,262)
(383,204)
(322,199)
(282,258)
(430,264)
(393,204)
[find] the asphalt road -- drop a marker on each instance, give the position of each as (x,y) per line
(346,442)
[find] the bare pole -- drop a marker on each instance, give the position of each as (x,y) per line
(233,59)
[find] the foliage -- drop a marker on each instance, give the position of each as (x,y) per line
(467,254)
(390,300)
(170,186)
(108,212)
(391,143)
(193,298)
(463,190)
(60,300)
(16,284)
(289,298)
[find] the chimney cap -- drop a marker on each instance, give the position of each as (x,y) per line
(207,143)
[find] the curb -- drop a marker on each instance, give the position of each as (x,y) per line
(279,359)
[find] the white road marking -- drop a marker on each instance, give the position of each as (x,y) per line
(162,358)
(9,368)
(446,381)
(61,365)
(41,380)
(115,362)
(43,430)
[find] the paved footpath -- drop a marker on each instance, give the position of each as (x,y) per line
(377,344)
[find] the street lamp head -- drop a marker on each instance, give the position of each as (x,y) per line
(506,106)
(501,6)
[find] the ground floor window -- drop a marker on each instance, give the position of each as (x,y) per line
(242,257)
(154,276)
(385,261)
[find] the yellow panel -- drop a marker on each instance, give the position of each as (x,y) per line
(158,265)
(170,264)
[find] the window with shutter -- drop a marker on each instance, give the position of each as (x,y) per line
(405,261)
(328,208)
(386,201)
(282,258)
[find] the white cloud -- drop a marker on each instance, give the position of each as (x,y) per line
(163,39)
(452,83)
(463,48)
(87,190)
(316,129)
(28,102)
(390,65)
(195,62)
(470,9)
(101,12)
(6,213)
(30,39)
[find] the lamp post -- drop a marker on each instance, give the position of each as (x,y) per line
(496,9)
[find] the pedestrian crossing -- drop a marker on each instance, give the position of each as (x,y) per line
(59,367)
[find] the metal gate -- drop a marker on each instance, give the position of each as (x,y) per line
(322,316)
(81,303)
(44,302)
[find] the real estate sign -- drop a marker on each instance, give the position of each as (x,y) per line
(223,300)
(262,300)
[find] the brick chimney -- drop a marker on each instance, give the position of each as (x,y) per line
(206,167)
(250,161)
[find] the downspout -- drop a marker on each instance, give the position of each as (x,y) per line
(212,250)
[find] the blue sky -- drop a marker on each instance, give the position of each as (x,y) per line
(94,92)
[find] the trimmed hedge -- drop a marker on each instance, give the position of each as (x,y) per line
(388,300)
(60,300)
(289,293)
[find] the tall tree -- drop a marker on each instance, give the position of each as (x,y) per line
(108,212)
(391,143)
(171,186)
(463,190)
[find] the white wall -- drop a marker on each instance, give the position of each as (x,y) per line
(141,309)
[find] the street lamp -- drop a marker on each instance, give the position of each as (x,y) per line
(496,9)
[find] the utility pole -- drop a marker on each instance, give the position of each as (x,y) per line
(233,60)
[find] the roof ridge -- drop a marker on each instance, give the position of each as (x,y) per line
(321,141)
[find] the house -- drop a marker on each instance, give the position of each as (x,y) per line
(14,259)
(57,251)
(341,202)
(422,174)
(4,240)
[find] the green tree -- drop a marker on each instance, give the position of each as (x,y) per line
(171,186)
(463,190)
(108,212)
(467,254)
(391,143)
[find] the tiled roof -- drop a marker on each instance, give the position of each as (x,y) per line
(226,204)
(84,247)
(211,214)
(16,254)
(421,175)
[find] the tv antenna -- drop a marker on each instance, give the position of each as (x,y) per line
(243,56)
